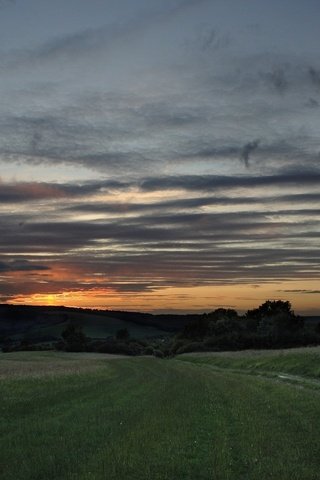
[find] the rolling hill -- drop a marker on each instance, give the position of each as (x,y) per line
(45,324)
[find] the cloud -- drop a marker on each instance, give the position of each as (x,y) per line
(137,246)
(193,203)
(22,192)
(21,266)
(113,131)
(314,76)
(277,78)
(260,78)
(168,224)
(312,103)
(25,192)
(93,41)
(34,191)
(209,39)
(247,151)
(309,292)
(215,182)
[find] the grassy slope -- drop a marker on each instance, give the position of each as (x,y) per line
(94,326)
(296,361)
(33,323)
(145,418)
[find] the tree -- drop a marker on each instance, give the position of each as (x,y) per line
(270,308)
(122,334)
(75,339)
(275,318)
(196,329)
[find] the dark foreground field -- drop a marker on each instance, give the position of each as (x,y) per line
(81,416)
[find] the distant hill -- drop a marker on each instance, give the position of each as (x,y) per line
(45,324)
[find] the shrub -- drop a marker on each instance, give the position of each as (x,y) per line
(158,354)
(191,347)
(122,334)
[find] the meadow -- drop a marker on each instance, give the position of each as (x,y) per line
(88,416)
(300,362)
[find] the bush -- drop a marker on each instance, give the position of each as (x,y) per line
(191,347)
(149,350)
(158,354)
(122,334)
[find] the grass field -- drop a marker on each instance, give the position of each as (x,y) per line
(82,416)
(296,361)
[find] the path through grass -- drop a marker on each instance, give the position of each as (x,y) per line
(296,361)
(145,418)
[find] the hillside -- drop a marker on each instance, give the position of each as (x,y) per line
(45,324)
(272,325)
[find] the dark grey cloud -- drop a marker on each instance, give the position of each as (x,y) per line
(312,103)
(195,227)
(33,191)
(214,182)
(57,139)
(198,150)
(35,141)
(278,80)
(21,266)
(208,39)
(311,292)
(261,78)
(92,41)
(248,150)
(272,155)
(179,267)
(164,246)
(162,114)
(314,75)
(123,287)
(22,192)
(128,130)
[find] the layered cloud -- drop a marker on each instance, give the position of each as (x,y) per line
(239,235)
(158,148)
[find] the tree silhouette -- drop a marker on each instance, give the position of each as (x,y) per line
(75,339)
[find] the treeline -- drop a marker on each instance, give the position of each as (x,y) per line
(272,325)
(74,340)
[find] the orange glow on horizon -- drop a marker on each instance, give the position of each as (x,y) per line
(187,299)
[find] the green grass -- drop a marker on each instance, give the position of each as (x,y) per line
(297,361)
(145,418)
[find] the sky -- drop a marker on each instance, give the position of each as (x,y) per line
(160,156)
